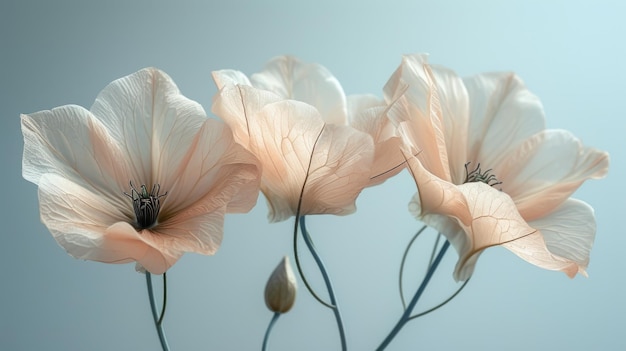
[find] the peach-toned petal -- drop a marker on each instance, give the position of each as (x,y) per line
(68,141)
(145,247)
(436,196)
(502,114)
(497,222)
(311,83)
(150,120)
(213,163)
(569,232)
(418,113)
(546,169)
(339,170)
(356,104)
(283,137)
(89,228)
(296,147)
(388,158)
(226,77)
(237,104)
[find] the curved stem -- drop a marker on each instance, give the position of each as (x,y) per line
(269,330)
(406,252)
(407,312)
(329,286)
(299,266)
(158,319)
(441,304)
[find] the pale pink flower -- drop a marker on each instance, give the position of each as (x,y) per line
(487,171)
(314,84)
(144,176)
(293,118)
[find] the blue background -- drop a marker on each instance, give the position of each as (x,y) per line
(570,53)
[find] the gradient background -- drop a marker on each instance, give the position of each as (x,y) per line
(570,53)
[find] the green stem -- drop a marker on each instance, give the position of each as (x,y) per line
(269,330)
(158,319)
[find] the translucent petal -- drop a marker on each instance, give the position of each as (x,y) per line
(388,158)
(226,77)
(546,169)
(70,142)
(503,113)
(418,113)
(237,104)
(497,222)
(339,170)
(296,147)
(358,103)
(214,173)
(569,231)
(151,121)
(89,228)
(311,83)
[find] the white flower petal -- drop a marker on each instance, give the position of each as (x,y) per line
(569,231)
(388,158)
(546,169)
(214,167)
(436,196)
(70,142)
(502,114)
(226,77)
(356,104)
(339,171)
(417,112)
(150,120)
(237,104)
(497,222)
(311,83)
(296,147)
(90,228)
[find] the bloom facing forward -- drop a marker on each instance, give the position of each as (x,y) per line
(487,171)
(292,117)
(143,176)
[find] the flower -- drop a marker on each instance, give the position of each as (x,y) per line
(281,288)
(313,163)
(314,84)
(144,176)
(487,171)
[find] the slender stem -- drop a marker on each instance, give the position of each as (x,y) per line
(407,312)
(329,286)
(441,304)
(299,265)
(157,319)
(269,330)
(406,252)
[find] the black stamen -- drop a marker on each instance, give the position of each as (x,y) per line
(146,205)
(477,175)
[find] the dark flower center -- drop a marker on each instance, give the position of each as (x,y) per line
(478,175)
(146,204)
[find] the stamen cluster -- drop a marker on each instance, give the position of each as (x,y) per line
(146,205)
(477,175)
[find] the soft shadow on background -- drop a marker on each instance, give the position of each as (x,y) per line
(570,53)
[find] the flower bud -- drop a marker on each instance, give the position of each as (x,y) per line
(281,288)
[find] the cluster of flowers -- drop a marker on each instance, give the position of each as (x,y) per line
(145,175)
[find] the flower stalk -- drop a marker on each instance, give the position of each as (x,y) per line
(329,287)
(158,317)
(406,316)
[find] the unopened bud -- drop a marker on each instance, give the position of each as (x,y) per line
(281,288)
